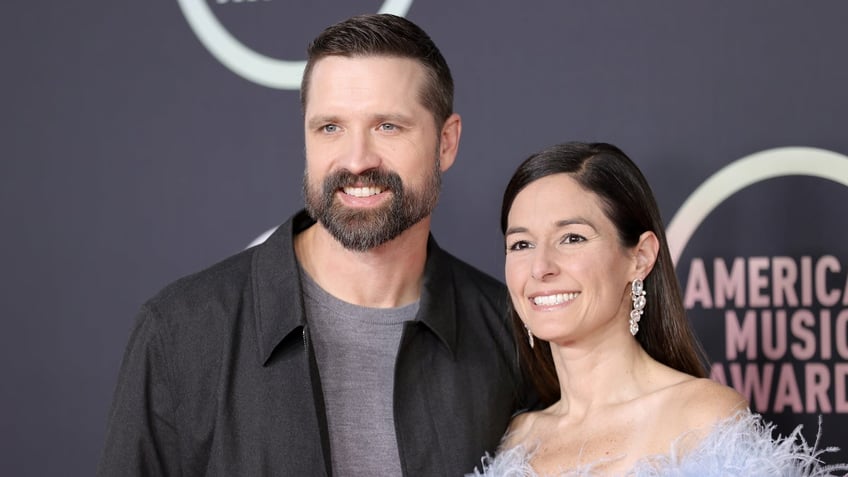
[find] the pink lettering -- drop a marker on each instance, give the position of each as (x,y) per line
(697,286)
(740,338)
(784,275)
(757,281)
(750,385)
(817,382)
(774,342)
(802,323)
(729,284)
(787,393)
(824,333)
(840,374)
(825,264)
(845,292)
(806,281)
(841,332)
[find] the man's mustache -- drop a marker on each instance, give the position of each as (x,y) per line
(372,177)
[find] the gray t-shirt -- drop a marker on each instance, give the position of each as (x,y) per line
(355,348)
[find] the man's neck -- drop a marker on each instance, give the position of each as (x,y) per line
(389,275)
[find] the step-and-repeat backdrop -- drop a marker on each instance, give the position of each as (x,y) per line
(142,141)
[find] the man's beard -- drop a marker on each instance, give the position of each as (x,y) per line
(363,229)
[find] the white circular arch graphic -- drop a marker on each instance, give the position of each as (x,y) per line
(760,166)
(250,65)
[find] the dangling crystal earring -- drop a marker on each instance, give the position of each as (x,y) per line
(637,292)
(529,335)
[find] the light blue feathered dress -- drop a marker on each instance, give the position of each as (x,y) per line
(743,446)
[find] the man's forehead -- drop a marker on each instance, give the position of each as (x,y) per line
(343,81)
(336,69)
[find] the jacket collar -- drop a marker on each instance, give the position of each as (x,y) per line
(278,293)
(278,297)
(438,296)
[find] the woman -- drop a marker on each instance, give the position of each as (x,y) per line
(604,337)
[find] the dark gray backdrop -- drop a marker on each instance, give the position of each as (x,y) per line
(131,156)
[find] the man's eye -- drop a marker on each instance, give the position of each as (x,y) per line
(572,238)
(388,127)
(330,128)
(519,245)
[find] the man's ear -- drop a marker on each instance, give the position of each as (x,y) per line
(646,252)
(449,141)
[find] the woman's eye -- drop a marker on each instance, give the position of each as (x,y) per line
(572,238)
(519,245)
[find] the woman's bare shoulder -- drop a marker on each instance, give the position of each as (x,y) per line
(519,428)
(703,402)
(691,407)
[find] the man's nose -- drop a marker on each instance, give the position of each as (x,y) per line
(362,154)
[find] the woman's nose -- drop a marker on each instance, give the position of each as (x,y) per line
(544,266)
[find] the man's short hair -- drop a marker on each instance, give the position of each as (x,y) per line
(386,35)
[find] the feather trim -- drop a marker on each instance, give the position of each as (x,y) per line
(741,446)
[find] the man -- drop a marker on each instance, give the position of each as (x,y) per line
(348,343)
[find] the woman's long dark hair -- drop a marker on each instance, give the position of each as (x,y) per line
(664,332)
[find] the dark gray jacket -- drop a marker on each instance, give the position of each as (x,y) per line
(219,376)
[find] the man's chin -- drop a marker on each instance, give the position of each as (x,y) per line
(359,239)
(360,216)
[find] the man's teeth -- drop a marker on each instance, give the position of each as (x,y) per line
(559,298)
(362,191)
